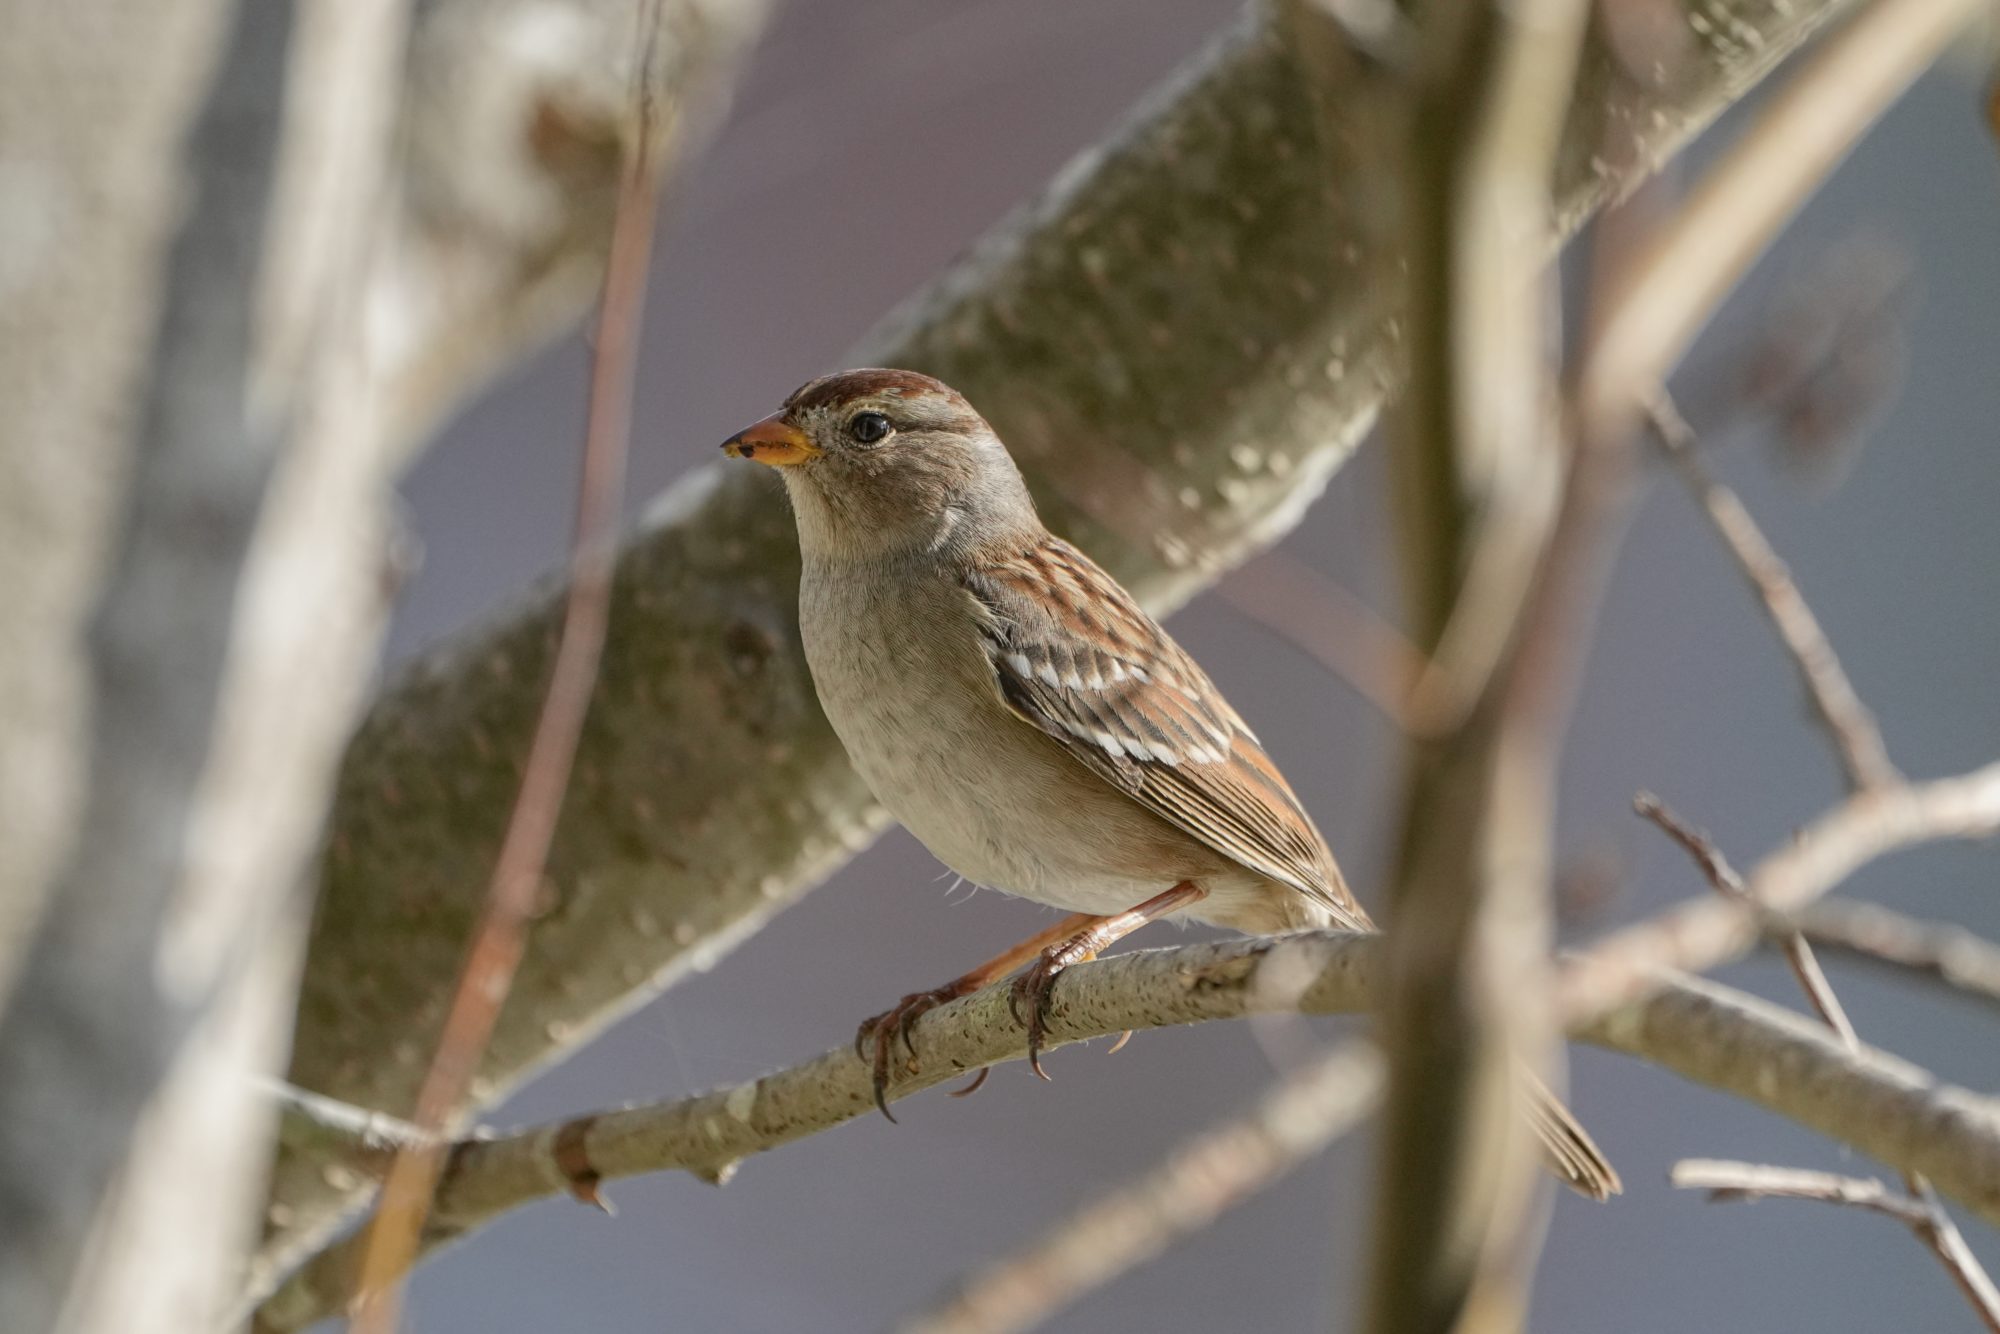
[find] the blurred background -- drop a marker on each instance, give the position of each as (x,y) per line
(873,141)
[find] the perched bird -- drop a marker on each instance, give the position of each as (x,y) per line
(1014,707)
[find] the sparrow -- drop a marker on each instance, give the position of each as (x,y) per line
(1019,712)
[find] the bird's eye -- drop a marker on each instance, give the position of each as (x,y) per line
(868,427)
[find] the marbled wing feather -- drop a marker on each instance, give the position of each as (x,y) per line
(1074,655)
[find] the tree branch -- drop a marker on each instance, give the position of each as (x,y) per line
(1477,475)
(234,626)
(1701,933)
(1709,1033)
(1926,1214)
(1620,993)
(514,131)
(1188,1190)
(1872,933)
(1723,877)
(1848,723)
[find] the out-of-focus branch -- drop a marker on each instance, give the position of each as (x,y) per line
(1330,625)
(1177,344)
(1849,724)
(1867,931)
(1476,462)
(1194,1184)
(1725,880)
(514,128)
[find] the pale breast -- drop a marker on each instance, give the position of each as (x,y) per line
(909,690)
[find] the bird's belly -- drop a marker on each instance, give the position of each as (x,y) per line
(984,790)
(969,807)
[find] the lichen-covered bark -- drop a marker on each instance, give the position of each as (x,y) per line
(1180,345)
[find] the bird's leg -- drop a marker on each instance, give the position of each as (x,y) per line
(886,1028)
(1035,985)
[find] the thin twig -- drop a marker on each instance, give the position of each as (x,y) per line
(1848,721)
(1867,931)
(1865,758)
(1184,1193)
(1720,874)
(1702,933)
(1728,1182)
(393,1235)
(345,1133)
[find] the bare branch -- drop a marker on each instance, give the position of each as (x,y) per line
(1849,724)
(1933,1225)
(1729,1182)
(1879,1105)
(1725,1039)
(163,355)
(341,1130)
(1732,1181)
(1875,1102)
(1701,933)
(1476,460)
(1868,931)
(1723,876)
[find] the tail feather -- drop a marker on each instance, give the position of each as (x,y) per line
(1567,1147)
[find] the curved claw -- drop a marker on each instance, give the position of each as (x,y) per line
(1036,986)
(881,1078)
(886,1028)
(973,1087)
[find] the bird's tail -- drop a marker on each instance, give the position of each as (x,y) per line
(1567,1147)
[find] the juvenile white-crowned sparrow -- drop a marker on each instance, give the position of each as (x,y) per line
(1019,712)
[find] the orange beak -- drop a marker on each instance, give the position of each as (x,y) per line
(773,441)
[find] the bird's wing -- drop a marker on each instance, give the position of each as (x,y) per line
(1073,654)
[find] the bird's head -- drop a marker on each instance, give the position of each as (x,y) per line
(887,462)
